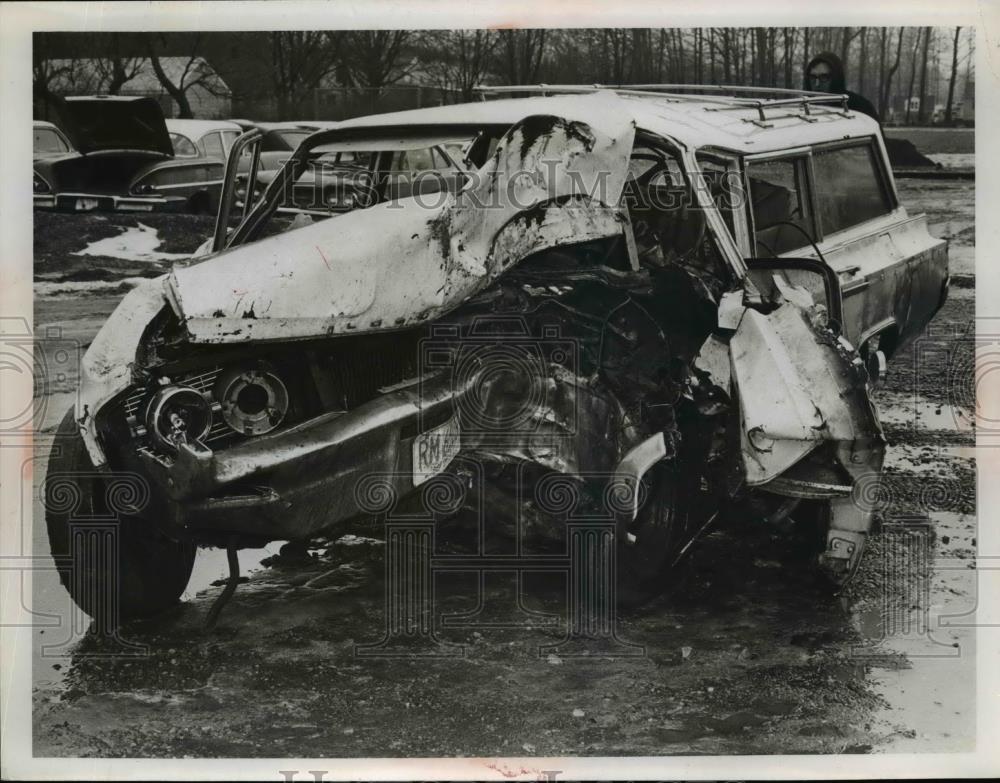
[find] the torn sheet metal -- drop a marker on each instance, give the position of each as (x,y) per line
(106,367)
(795,390)
(404,262)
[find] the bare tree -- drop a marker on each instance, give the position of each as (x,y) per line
(115,70)
(194,72)
(954,75)
(788,54)
(465,57)
(301,60)
(887,79)
(521,53)
(375,58)
(922,108)
(863,60)
(913,73)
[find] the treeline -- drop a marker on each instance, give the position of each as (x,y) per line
(890,65)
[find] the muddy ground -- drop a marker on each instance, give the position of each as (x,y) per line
(746,654)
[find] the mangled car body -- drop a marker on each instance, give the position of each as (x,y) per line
(595,302)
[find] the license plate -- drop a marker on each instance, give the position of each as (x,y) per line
(86,204)
(434,449)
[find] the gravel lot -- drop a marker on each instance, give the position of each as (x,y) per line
(745,655)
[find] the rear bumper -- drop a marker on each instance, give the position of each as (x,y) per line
(102,202)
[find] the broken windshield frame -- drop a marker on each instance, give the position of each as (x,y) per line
(257,218)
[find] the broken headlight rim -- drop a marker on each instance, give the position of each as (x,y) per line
(253,399)
(178,414)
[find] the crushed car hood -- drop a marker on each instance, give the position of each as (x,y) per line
(552,180)
(105,123)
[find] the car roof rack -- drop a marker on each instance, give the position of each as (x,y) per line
(725,96)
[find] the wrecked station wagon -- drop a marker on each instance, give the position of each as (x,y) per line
(674,301)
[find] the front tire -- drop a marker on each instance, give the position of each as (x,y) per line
(112,557)
(655,540)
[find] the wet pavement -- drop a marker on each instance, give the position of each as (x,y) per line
(746,653)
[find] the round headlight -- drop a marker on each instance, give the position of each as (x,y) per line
(178,414)
(40,185)
(254,400)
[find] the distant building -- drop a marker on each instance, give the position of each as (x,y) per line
(208,95)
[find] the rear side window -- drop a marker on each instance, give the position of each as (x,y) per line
(779,201)
(228,137)
(849,188)
(213,145)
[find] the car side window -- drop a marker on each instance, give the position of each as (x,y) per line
(724,187)
(849,187)
(213,145)
(779,205)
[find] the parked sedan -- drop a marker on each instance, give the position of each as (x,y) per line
(124,160)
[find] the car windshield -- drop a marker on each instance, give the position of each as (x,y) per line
(183,146)
(48,140)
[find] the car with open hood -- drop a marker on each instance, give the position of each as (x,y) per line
(123,159)
(663,301)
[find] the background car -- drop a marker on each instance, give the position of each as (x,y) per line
(124,160)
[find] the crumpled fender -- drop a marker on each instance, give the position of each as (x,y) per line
(797,387)
(106,367)
(404,262)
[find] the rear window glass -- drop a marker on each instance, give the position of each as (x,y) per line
(183,146)
(213,145)
(779,202)
(849,189)
(47,140)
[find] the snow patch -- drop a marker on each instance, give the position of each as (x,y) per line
(135,243)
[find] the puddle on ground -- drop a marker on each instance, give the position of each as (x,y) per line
(910,410)
(77,287)
(921,639)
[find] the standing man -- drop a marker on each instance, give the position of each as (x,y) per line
(825,73)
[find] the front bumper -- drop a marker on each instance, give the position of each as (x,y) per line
(306,479)
(102,202)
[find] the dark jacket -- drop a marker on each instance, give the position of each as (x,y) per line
(838,84)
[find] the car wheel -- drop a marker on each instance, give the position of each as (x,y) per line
(198,204)
(115,565)
(649,553)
